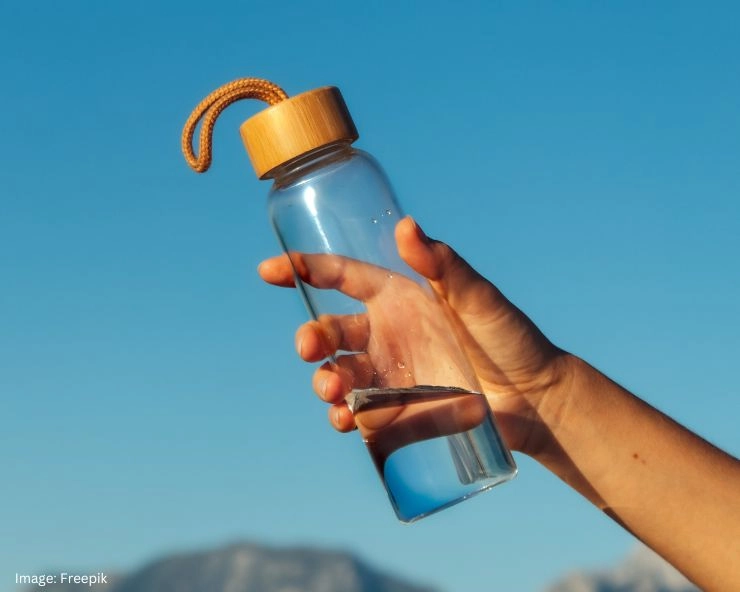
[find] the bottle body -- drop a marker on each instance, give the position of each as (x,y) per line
(416,397)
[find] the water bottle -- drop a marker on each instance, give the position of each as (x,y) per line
(416,399)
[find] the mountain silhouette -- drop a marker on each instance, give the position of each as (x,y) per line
(248,567)
(643,570)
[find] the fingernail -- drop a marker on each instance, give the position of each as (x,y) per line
(336,416)
(299,345)
(322,388)
(419,232)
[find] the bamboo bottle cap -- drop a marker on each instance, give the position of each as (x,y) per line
(295,126)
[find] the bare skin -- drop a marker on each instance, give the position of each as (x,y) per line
(670,488)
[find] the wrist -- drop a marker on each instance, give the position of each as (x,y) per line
(549,412)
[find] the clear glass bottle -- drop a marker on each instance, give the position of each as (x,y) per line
(416,399)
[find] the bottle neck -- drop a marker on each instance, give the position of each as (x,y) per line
(293,170)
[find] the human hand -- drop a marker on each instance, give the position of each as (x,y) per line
(516,366)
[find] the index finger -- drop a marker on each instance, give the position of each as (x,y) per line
(357,279)
(277,271)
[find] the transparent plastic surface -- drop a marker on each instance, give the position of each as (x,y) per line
(335,214)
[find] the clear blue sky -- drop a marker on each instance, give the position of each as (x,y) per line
(584,156)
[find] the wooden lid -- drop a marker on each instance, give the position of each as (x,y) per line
(296,126)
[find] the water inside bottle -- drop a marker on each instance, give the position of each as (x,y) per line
(432,446)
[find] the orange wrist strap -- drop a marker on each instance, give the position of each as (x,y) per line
(211,107)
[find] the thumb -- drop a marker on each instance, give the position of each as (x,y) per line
(450,275)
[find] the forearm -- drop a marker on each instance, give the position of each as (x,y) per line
(670,488)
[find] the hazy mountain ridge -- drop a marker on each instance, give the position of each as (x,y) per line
(642,571)
(248,567)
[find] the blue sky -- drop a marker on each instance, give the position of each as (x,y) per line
(584,156)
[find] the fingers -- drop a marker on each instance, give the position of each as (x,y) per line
(418,250)
(277,271)
(356,279)
(341,418)
(450,275)
(316,340)
(331,384)
(424,255)
(433,259)
(334,380)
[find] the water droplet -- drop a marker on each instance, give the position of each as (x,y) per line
(408,374)
(374,220)
(401,365)
(390,275)
(387,212)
